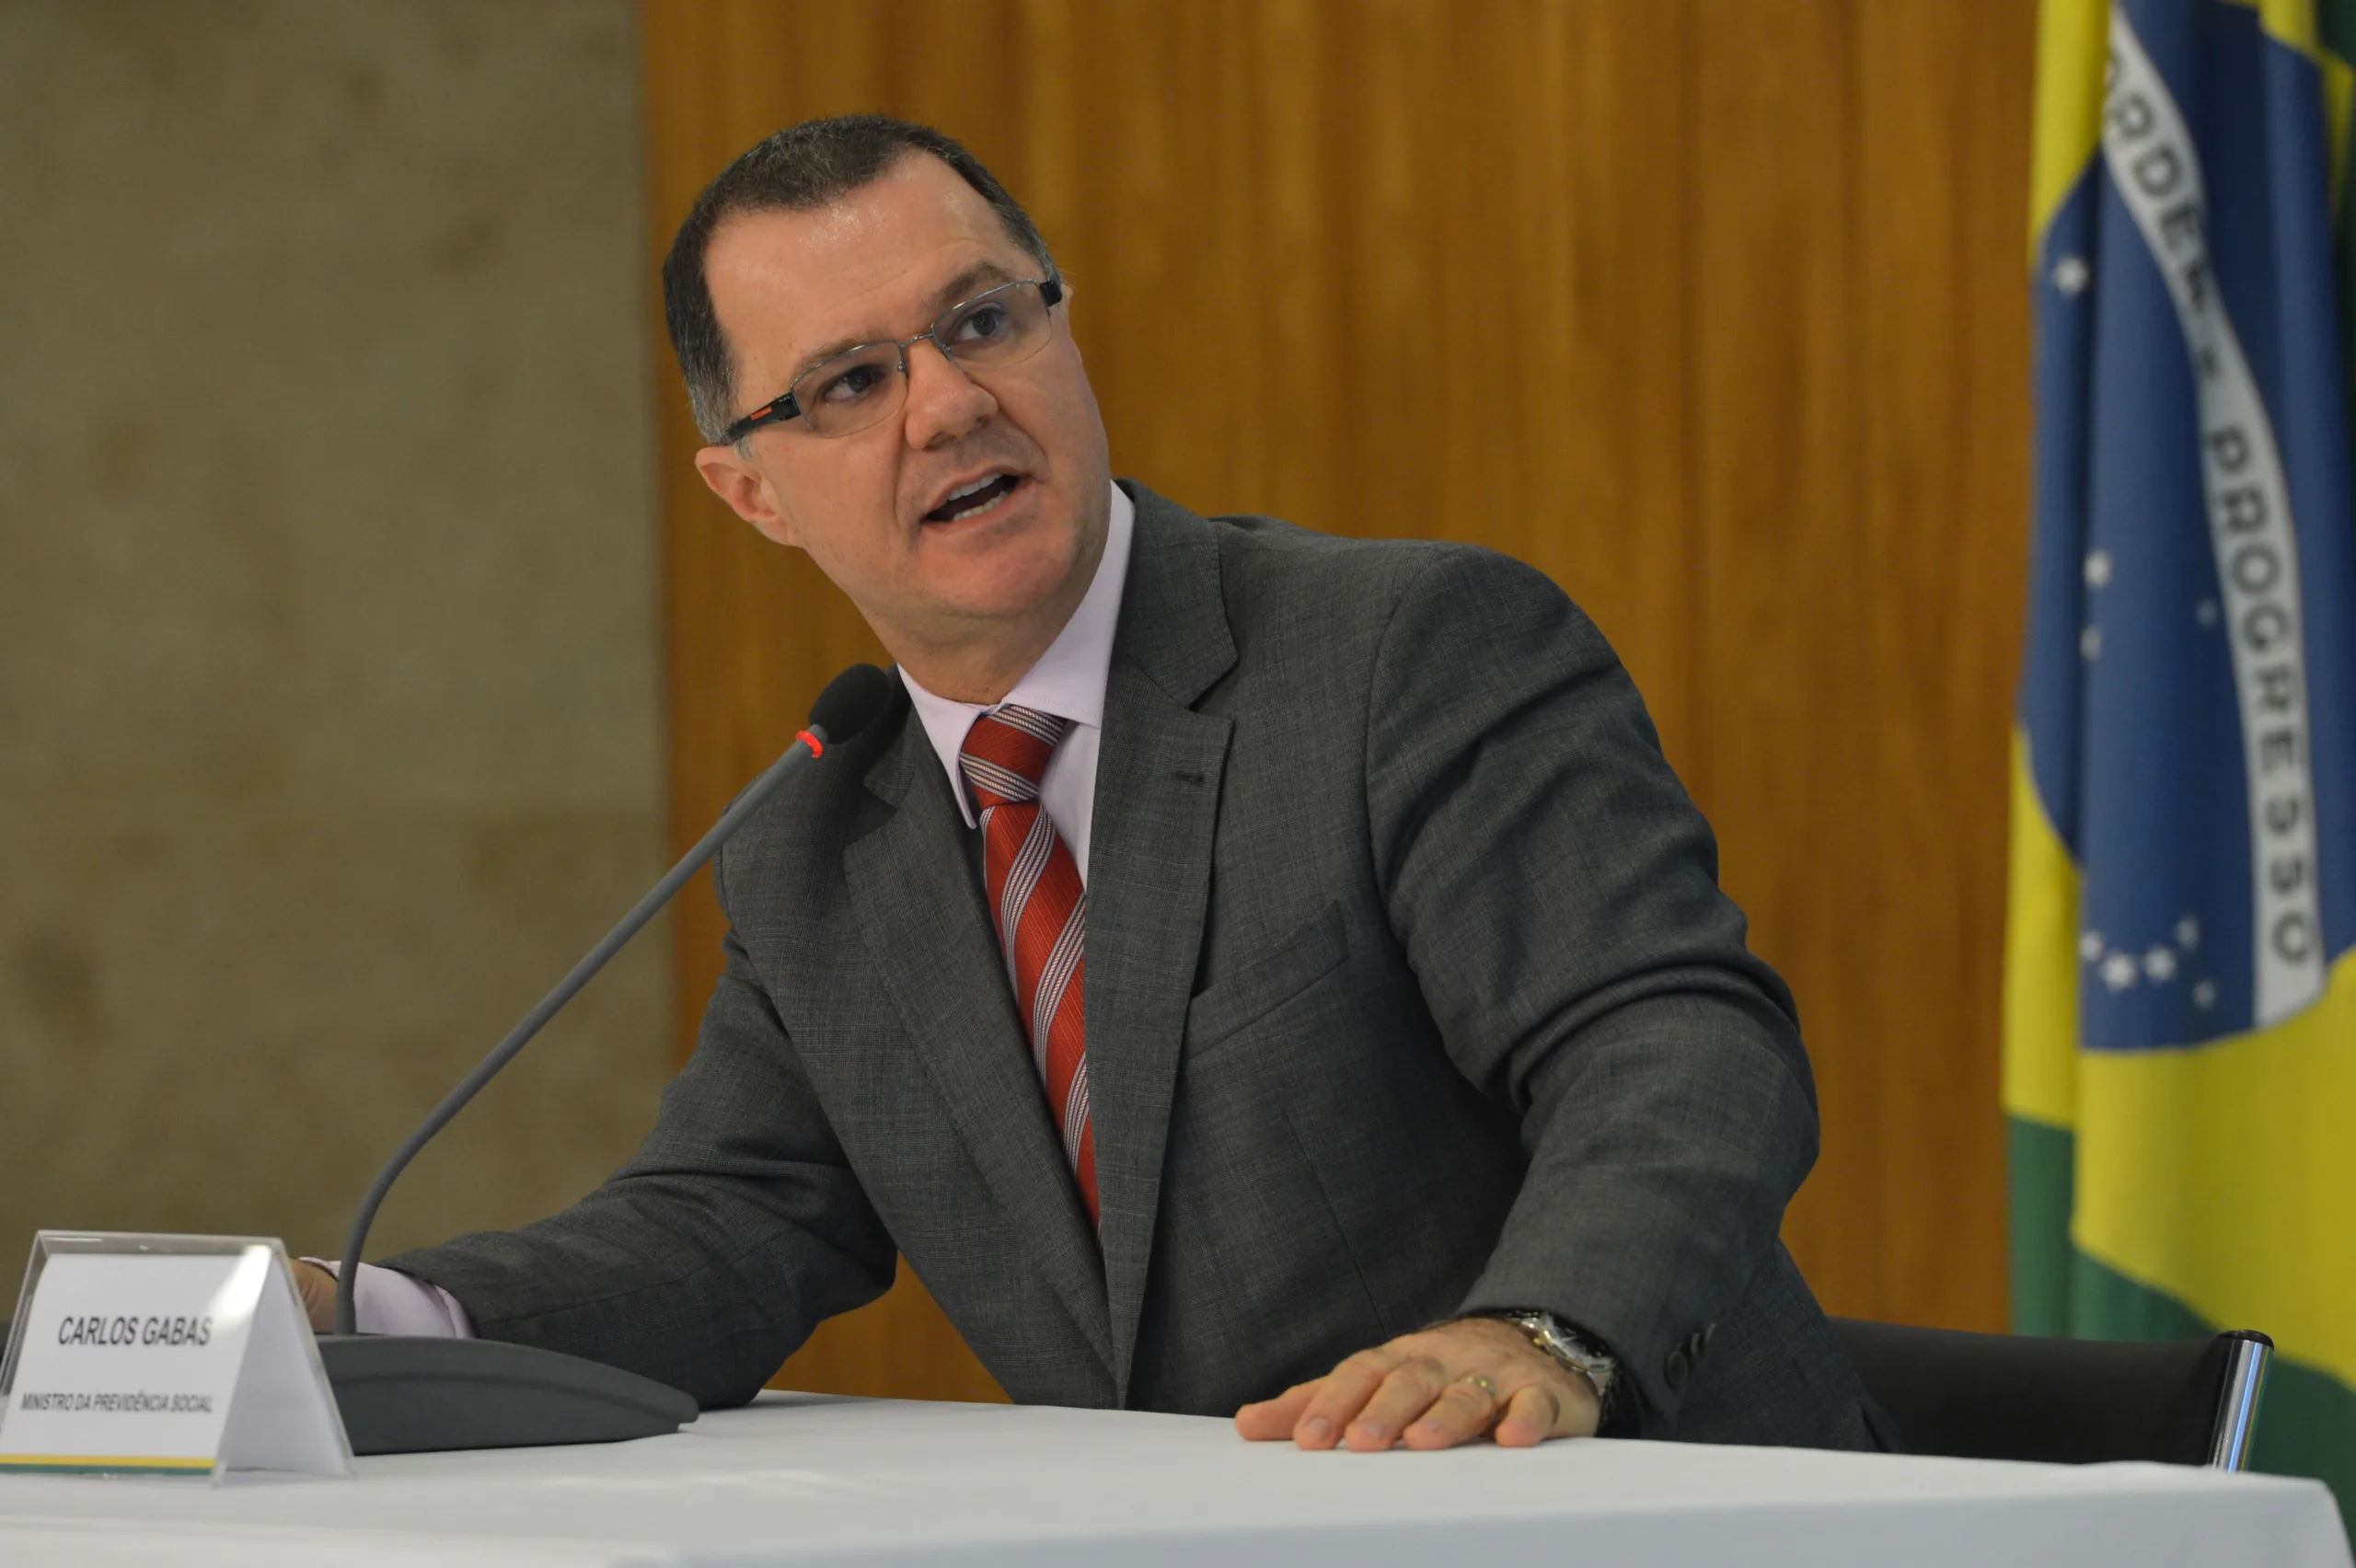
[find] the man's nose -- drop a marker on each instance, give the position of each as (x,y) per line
(944,403)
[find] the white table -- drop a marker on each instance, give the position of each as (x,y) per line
(798,1478)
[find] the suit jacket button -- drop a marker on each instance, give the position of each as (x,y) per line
(1680,1367)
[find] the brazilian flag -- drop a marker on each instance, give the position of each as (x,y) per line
(2180,1002)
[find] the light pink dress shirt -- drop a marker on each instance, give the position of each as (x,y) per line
(1068,682)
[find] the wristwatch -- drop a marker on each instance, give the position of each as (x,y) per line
(1570,1347)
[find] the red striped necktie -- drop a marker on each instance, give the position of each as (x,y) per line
(1042,913)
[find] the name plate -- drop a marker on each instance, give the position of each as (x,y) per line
(165,1355)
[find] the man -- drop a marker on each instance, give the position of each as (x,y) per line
(1243,968)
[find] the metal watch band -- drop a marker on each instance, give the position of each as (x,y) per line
(1570,1347)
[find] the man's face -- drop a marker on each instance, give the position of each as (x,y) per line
(873,508)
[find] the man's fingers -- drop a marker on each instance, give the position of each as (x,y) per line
(1531,1417)
(1341,1394)
(317,1287)
(1404,1393)
(1462,1411)
(1432,1390)
(1271,1419)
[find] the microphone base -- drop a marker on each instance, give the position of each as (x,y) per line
(403,1394)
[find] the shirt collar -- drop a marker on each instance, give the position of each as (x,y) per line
(1068,680)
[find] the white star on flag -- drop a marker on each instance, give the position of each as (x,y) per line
(2090,946)
(2099,568)
(2071,276)
(2090,643)
(2204,995)
(2188,933)
(2118,970)
(2159,965)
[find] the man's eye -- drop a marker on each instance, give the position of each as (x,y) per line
(982,325)
(851,385)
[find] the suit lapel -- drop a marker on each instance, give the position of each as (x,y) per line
(1158,774)
(929,932)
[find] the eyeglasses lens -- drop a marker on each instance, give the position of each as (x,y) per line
(846,394)
(852,391)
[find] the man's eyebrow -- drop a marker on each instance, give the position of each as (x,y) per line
(962,286)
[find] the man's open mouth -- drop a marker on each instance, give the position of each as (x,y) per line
(978,497)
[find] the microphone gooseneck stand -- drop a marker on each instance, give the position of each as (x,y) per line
(404,1394)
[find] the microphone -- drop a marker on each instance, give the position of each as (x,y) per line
(851,702)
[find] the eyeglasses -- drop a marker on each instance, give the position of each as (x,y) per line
(860,386)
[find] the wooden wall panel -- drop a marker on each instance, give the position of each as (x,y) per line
(1713,309)
(1942,374)
(1785,687)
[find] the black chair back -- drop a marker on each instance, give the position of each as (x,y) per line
(2066,1401)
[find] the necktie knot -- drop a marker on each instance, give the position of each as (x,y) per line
(1006,753)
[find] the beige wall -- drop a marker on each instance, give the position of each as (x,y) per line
(329,667)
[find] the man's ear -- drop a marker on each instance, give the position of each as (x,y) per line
(735,480)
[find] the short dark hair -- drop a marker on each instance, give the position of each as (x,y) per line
(798,169)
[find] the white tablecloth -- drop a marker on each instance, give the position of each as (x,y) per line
(798,1480)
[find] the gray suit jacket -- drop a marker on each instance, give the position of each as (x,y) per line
(1410,991)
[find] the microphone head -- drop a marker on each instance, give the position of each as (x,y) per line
(851,703)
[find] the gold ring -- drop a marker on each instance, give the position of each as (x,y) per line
(1483,1384)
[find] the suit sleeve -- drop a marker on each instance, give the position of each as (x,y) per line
(706,1260)
(1556,892)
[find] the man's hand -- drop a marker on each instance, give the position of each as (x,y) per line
(1427,1391)
(317,1289)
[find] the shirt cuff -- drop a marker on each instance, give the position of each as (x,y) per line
(387,1301)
